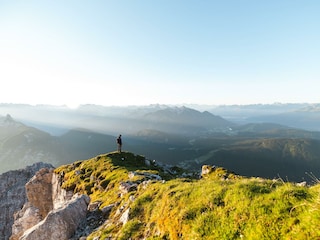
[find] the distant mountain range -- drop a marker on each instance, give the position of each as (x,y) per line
(173,135)
(186,121)
(113,120)
(298,115)
(21,145)
(308,119)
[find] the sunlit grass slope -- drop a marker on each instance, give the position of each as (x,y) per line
(220,205)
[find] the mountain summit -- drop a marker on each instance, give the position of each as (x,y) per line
(131,197)
(9,121)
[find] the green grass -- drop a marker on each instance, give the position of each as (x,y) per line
(221,205)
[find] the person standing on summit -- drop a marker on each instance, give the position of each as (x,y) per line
(119,142)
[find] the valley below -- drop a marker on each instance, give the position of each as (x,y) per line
(175,135)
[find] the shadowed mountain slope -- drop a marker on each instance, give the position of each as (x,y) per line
(292,159)
(21,145)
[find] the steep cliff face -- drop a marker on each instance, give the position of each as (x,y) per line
(13,195)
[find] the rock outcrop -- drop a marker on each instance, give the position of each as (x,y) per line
(39,191)
(13,195)
(60,223)
(51,212)
(207,169)
(26,218)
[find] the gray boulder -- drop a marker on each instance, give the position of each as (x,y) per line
(60,223)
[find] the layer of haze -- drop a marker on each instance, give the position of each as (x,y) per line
(169,52)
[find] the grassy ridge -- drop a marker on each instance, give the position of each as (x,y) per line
(218,206)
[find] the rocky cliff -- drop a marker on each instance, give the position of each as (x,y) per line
(50,211)
(13,195)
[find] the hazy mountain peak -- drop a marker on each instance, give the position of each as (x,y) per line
(9,121)
(311,108)
(9,118)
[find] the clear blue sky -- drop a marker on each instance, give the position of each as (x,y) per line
(165,51)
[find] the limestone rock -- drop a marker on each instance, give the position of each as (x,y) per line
(13,195)
(302,184)
(106,210)
(60,223)
(94,206)
(39,191)
(125,216)
(127,186)
(95,218)
(26,218)
(44,194)
(59,195)
(144,175)
(206,169)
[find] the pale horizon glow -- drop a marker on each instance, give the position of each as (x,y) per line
(159,52)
